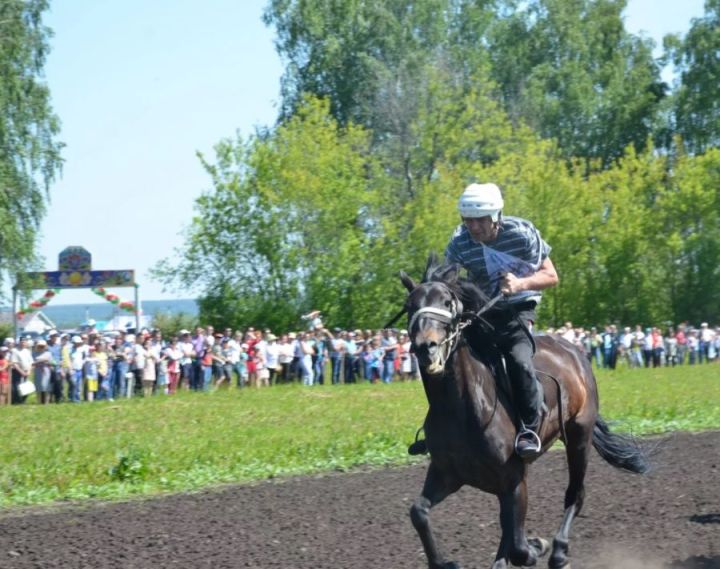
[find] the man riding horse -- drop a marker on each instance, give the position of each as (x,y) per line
(505,255)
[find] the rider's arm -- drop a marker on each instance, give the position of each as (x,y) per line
(545,277)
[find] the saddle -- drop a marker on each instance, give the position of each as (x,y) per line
(495,360)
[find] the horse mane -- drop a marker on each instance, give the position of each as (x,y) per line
(473,298)
(469,293)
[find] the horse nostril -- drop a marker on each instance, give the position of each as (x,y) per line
(432,348)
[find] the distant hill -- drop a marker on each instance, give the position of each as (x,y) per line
(72,315)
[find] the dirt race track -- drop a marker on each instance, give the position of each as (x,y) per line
(668,519)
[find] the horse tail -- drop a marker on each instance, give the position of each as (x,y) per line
(621,451)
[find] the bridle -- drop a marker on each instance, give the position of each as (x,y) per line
(455,322)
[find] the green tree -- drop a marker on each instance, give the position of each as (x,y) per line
(573,73)
(29,150)
(353,53)
(696,108)
(289,226)
(690,230)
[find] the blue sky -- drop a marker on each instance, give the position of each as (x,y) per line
(141,86)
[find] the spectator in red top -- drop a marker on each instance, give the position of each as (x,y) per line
(681,343)
(4,377)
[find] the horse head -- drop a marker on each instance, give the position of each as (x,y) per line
(434,310)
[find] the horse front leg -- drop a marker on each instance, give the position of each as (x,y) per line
(437,487)
(515,547)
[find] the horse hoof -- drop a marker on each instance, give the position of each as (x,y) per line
(540,545)
(451,565)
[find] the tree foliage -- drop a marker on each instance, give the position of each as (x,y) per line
(570,70)
(290,225)
(390,109)
(696,108)
(29,150)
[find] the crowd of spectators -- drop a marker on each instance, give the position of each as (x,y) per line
(645,347)
(94,366)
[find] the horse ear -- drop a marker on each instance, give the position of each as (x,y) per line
(449,273)
(432,263)
(409,284)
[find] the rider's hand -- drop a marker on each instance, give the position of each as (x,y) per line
(510,285)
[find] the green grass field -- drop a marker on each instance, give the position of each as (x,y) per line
(114,450)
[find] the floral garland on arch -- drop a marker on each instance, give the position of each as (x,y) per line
(36,305)
(114,299)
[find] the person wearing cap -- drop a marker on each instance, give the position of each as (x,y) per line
(42,368)
(352,350)
(507,256)
(285,358)
(272,353)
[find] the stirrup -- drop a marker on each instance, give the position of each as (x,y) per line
(534,440)
(418,446)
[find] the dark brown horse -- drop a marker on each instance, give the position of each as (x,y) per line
(470,427)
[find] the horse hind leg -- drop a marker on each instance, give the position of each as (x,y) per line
(577,449)
(436,488)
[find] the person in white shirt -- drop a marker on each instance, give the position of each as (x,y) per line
(285,357)
(78,354)
(187,349)
(21,361)
(272,353)
(706,341)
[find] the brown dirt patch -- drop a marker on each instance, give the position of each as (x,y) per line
(668,519)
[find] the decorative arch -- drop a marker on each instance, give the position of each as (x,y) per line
(75,272)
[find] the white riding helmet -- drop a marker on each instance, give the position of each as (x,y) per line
(479,200)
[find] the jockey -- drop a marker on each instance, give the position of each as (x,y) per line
(507,255)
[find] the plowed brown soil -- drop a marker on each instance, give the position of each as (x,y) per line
(667,519)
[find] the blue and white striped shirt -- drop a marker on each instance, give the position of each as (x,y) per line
(518,249)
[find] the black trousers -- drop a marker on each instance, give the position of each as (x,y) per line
(510,335)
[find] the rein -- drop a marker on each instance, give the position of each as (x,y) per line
(448,345)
